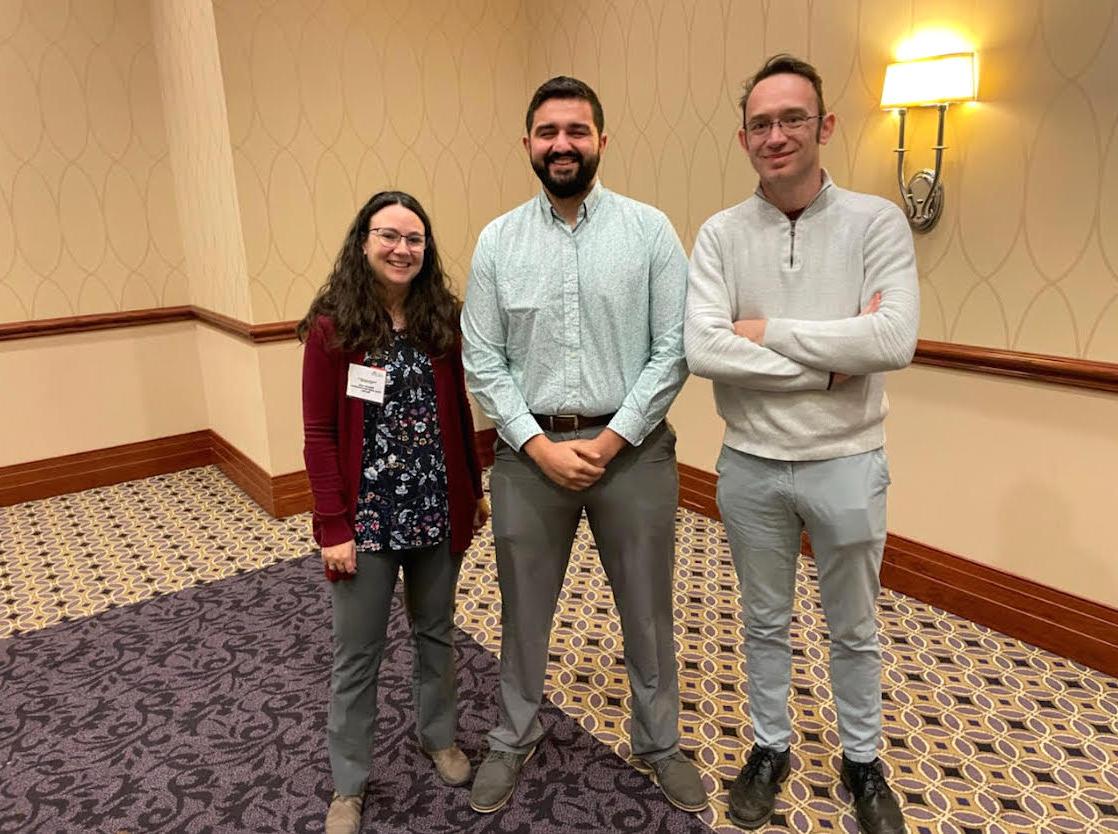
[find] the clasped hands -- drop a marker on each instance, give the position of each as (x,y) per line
(575,464)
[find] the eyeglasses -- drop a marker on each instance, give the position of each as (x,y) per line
(761,127)
(390,238)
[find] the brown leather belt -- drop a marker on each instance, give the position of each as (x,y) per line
(570,422)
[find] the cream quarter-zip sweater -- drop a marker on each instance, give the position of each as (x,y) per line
(809,278)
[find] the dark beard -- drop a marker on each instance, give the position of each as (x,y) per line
(578,183)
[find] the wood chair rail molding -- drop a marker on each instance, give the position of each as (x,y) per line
(1055,370)
(1037,367)
(278,331)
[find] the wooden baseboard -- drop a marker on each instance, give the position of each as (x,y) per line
(291,494)
(1068,625)
(280,495)
(244,472)
(696,491)
(103,467)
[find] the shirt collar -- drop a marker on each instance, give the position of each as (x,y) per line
(827,183)
(586,210)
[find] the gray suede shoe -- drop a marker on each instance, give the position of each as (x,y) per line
(680,782)
(496,780)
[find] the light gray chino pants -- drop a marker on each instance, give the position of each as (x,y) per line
(765,504)
(361,608)
(631,512)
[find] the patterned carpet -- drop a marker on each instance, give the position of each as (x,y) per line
(984,733)
(204,711)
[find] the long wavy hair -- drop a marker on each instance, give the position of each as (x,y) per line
(355,301)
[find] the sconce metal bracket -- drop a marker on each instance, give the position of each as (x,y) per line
(926,196)
(923,193)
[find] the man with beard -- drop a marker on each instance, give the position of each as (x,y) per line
(573,327)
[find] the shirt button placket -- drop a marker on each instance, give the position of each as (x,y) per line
(571,324)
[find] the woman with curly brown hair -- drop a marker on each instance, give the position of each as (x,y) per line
(389,448)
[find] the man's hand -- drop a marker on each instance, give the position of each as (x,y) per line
(752,329)
(602,449)
(561,463)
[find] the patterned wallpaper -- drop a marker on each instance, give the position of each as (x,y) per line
(332,101)
(198,135)
(329,101)
(1026,256)
(87,208)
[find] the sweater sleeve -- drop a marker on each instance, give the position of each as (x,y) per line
(881,341)
(713,349)
(320,438)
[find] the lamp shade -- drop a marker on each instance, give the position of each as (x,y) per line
(930,81)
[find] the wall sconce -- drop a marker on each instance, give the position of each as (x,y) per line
(928,82)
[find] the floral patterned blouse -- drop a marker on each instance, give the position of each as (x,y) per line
(403,500)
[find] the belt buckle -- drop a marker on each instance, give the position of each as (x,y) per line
(572,417)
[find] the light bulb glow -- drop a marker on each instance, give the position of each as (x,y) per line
(930,81)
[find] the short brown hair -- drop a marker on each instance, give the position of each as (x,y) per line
(563,86)
(784,64)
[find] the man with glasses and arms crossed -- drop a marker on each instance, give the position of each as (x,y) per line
(798,300)
(573,337)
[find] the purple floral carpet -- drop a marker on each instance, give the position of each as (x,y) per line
(204,711)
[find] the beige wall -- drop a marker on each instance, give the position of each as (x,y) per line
(234,392)
(1013,475)
(282,117)
(67,394)
(1026,255)
(331,102)
(87,207)
(198,135)
(281,382)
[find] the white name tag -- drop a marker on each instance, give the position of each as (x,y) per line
(366,383)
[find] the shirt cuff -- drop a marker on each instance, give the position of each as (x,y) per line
(520,430)
(630,425)
(332,530)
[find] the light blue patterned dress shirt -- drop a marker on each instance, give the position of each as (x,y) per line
(585,320)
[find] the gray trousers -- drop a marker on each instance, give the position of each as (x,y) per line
(631,512)
(765,504)
(361,607)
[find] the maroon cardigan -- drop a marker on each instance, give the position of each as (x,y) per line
(334,436)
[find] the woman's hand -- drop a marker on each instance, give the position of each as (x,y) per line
(341,557)
(481,513)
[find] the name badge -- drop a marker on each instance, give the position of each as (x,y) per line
(366,383)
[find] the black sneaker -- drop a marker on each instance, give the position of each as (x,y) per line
(753,794)
(875,806)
